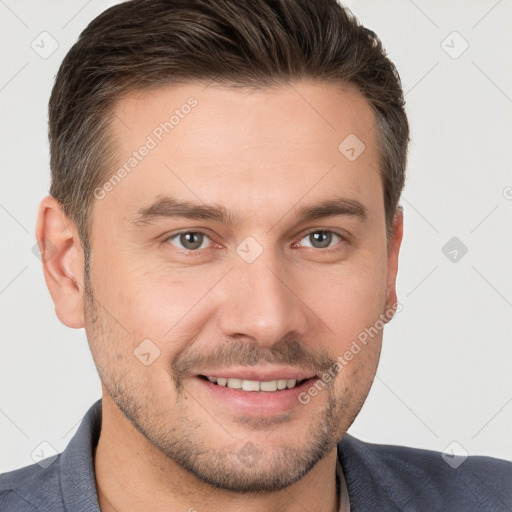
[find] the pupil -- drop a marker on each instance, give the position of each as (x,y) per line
(321,239)
(191,240)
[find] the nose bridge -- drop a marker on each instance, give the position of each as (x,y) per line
(258,301)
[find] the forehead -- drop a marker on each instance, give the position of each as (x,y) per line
(310,111)
(242,147)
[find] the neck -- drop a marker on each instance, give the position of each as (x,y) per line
(133,475)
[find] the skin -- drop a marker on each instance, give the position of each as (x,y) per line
(165,437)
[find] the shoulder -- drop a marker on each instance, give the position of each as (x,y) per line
(412,476)
(31,488)
(62,482)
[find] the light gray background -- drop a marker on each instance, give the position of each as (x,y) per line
(446,364)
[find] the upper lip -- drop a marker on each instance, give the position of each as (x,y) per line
(260,374)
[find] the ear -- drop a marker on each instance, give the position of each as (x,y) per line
(63,261)
(394,243)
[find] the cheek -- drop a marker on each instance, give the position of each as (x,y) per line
(349,299)
(130,364)
(166,305)
(355,380)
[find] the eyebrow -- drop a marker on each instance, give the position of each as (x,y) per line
(169,207)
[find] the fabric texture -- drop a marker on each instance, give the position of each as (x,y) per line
(379,478)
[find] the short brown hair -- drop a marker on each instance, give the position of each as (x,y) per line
(143,44)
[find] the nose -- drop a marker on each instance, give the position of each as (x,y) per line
(259,303)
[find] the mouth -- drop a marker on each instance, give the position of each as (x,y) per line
(254,392)
(268,386)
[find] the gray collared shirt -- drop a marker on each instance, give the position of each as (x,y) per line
(378,478)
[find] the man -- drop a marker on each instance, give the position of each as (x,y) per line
(224,222)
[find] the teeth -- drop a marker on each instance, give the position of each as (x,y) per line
(269,386)
(291,383)
(254,385)
(281,384)
(234,383)
(250,385)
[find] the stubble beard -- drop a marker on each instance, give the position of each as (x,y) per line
(245,468)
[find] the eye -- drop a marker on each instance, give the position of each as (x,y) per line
(189,240)
(322,239)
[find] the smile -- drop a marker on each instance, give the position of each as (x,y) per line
(254,392)
(255,385)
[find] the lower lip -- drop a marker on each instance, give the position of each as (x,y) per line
(256,403)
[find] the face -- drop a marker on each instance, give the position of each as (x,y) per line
(242,248)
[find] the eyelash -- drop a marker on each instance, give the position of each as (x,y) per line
(192,252)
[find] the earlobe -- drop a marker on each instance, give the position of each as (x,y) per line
(394,244)
(62,258)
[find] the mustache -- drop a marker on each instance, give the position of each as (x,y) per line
(288,352)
